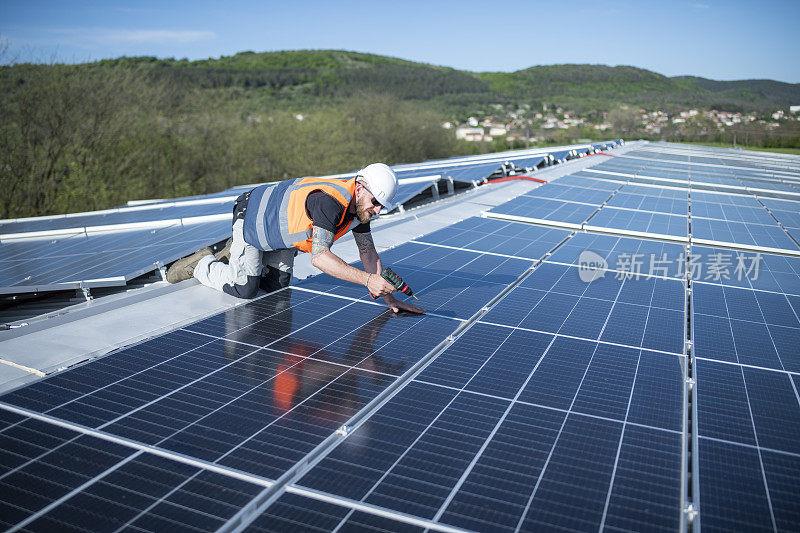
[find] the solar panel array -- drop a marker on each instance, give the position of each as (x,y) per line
(655,389)
(109,248)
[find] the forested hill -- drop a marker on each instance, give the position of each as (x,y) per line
(95,135)
(306,76)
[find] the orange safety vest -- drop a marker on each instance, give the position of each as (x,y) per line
(276,215)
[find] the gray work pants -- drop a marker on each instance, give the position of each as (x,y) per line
(248,268)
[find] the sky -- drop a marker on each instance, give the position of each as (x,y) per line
(717,39)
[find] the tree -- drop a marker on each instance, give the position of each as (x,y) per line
(624,120)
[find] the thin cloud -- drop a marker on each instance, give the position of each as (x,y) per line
(701,6)
(87,37)
(155,36)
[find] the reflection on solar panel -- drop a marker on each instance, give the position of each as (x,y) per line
(563,379)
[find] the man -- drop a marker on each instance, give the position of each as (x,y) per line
(272,222)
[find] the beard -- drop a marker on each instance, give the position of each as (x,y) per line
(362,215)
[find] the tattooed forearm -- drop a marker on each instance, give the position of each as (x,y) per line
(364,242)
(322,240)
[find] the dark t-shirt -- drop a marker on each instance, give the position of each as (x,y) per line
(325,211)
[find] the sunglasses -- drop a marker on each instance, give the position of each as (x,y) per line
(375,201)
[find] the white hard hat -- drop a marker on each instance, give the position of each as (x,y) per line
(381,182)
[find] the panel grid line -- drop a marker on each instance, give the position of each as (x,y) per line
(566,411)
(755,433)
(624,425)
(267,497)
(563,423)
(500,421)
(55,503)
(246,516)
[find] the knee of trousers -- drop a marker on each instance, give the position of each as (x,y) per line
(247,290)
(275,279)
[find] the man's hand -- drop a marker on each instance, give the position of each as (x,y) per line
(397,306)
(326,261)
(379,286)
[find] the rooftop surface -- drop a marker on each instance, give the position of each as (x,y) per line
(615,349)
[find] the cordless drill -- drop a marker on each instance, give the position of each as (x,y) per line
(396,282)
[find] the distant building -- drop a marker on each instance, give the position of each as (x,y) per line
(469,134)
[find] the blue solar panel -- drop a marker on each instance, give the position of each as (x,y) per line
(579,179)
(575,194)
(454,283)
(780,205)
(790,219)
(477,452)
(297,513)
(729,199)
(50,263)
(258,410)
(643,312)
(660,192)
(544,209)
(625,254)
(56,478)
(762,271)
(752,416)
(742,233)
(730,324)
(124,215)
(496,236)
(649,203)
(407,191)
(770,185)
(471,173)
(528,162)
(754,215)
(640,221)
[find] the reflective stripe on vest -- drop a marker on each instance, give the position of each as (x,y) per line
(276,216)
